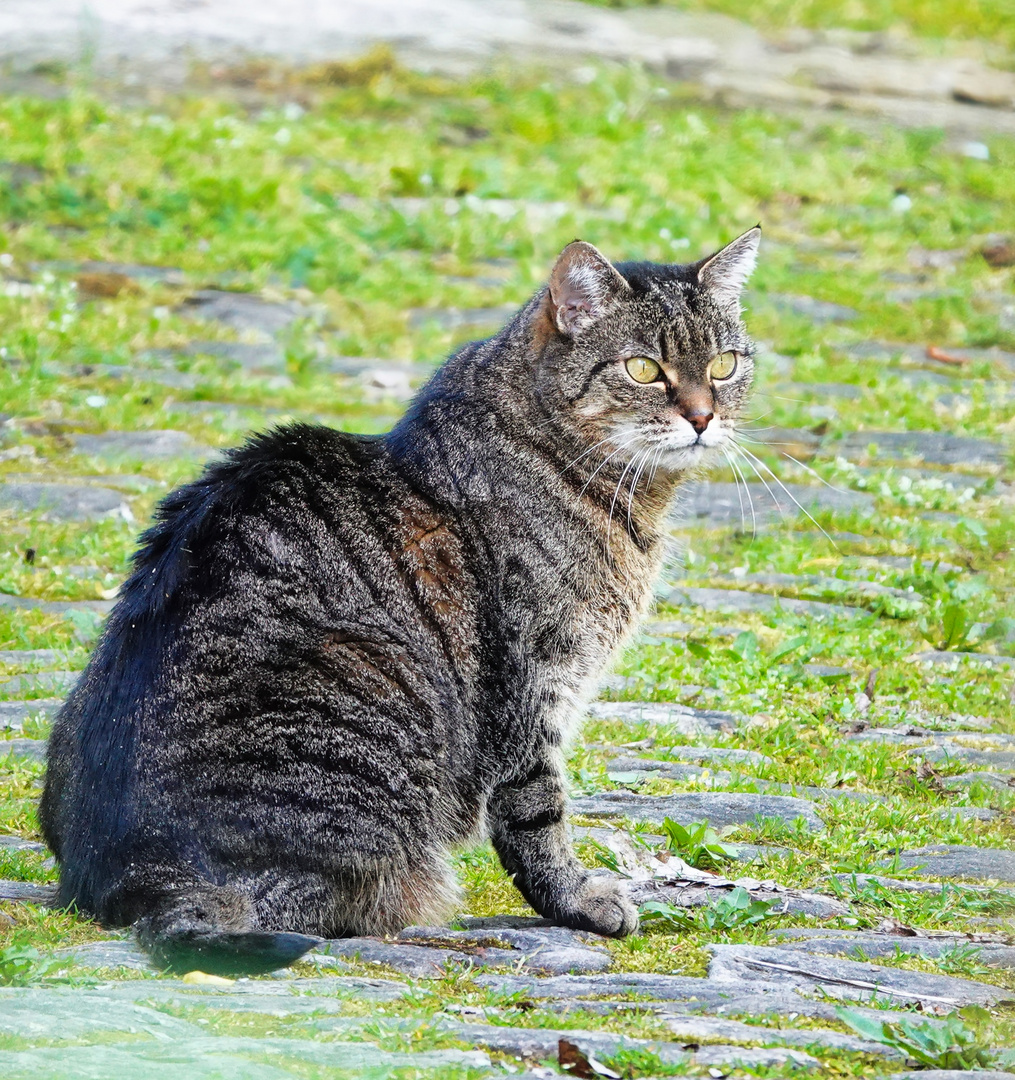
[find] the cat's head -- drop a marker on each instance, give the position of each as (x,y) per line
(652,359)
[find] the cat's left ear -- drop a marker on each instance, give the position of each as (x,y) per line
(725,273)
(583,286)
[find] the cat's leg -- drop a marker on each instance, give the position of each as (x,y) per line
(528,826)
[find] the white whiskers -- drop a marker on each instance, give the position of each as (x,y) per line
(754,461)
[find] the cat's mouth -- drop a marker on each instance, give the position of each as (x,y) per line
(675,448)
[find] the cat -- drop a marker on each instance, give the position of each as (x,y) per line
(338,657)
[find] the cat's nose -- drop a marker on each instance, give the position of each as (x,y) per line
(698,420)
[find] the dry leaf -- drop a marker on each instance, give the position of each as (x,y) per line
(893,926)
(574,1060)
(999,253)
(104,286)
(942,357)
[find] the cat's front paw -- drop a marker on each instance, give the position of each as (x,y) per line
(602,906)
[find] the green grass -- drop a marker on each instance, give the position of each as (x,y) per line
(990,20)
(307,201)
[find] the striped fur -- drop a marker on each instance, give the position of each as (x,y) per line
(338,657)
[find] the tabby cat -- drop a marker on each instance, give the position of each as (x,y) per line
(340,656)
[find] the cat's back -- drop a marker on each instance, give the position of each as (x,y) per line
(279,507)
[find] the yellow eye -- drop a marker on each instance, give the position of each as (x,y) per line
(722,367)
(643,370)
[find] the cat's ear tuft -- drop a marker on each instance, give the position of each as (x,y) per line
(725,273)
(583,286)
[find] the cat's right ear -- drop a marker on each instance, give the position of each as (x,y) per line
(583,286)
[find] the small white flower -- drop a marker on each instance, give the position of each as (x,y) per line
(95,401)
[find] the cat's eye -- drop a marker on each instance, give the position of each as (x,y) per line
(643,370)
(722,367)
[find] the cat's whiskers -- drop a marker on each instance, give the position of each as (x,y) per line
(574,461)
(753,460)
(616,494)
(616,451)
(736,479)
(637,476)
(816,475)
(741,478)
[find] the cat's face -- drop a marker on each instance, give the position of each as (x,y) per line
(653,361)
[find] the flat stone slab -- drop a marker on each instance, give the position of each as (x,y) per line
(61,682)
(31,657)
(745,853)
(542,1044)
(116,953)
(741,600)
(682,718)
(28,892)
(912,885)
(131,482)
(991,779)
(690,763)
(32,749)
(991,759)
(846,979)
(142,445)
(952,1074)
(706,1029)
(427,951)
(720,809)
(267,358)
(819,390)
(13,714)
(163,275)
(698,894)
(917,355)
(61,502)
(42,1013)
(956,861)
(935,448)
(727,755)
(18,843)
(211,1057)
(865,944)
(940,658)
(461,318)
(676,998)
(630,770)
(674,628)
(243,311)
(817,311)
(918,737)
(176,380)
(637,986)
(824,588)
(285,992)
(717,504)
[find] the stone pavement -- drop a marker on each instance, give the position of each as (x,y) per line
(148,43)
(528,989)
(134,1027)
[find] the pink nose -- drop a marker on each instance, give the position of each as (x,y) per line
(699,421)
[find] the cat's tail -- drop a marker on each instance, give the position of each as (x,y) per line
(210,928)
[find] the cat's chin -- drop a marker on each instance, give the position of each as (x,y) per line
(682,459)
